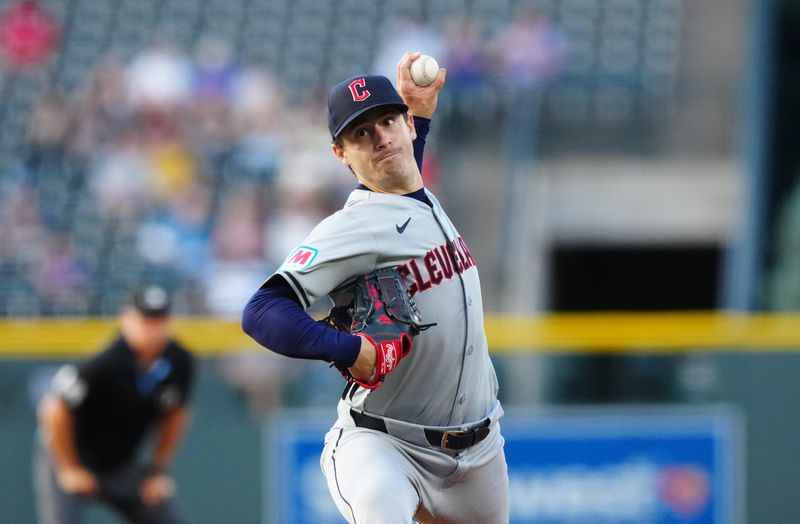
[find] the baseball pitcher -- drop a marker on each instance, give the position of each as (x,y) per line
(418,434)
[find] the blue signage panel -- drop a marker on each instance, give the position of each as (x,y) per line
(620,466)
(298,493)
(600,465)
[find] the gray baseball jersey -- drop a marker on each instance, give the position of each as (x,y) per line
(448,379)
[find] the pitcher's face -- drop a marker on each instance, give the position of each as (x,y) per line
(378,147)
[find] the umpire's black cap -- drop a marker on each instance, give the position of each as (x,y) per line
(356,95)
(152,300)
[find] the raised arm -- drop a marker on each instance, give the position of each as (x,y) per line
(421,101)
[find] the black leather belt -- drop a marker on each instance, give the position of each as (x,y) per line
(452,440)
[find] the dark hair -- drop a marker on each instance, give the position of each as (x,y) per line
(338,140)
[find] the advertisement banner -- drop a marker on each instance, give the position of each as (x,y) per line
(623,465)
(659,466)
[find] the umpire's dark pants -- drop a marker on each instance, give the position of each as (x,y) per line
(119,489)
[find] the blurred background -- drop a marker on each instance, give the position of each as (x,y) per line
(625,171)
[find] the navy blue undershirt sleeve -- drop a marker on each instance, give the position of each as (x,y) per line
(275,319)
(422,126)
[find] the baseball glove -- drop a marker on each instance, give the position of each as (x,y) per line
(383,312)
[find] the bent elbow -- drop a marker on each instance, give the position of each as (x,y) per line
(255,316)
(248,321)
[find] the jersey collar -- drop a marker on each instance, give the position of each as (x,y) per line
(419,194)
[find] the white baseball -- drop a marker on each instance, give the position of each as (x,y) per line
(424,70)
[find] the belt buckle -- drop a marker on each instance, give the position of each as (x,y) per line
(447,434)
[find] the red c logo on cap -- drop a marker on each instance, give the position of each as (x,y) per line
(358,90)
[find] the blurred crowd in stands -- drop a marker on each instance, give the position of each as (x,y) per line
(191,167)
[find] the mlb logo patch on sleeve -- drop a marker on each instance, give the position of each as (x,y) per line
(301,258)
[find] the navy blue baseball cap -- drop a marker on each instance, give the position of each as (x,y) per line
(357,95)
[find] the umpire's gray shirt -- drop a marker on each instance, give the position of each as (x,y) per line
(448,379)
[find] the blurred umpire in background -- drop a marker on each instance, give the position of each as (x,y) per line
(97,414)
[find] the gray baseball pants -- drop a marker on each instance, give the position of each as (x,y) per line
(375,478)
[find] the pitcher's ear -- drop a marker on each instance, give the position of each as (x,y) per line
(340,154)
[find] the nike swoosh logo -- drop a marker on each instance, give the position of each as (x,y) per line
(402,228)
